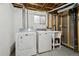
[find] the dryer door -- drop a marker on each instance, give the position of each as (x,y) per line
(27,45)
(44,42)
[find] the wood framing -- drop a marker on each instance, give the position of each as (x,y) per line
(60,25)
(68,30)
(61,22)
(53,22)
(56,22)
(78,34)
(78,28)
(60,15)
(48,21)
(66,13)
(38,6)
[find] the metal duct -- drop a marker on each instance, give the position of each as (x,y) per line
(27,18)
(23,17)
(66,8)
(59,8)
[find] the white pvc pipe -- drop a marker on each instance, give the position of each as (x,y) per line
(23,16)
(67,8)
(59,7)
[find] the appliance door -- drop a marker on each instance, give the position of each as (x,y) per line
(44,41)
(27,44)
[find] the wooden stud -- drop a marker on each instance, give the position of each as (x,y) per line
(56,22)
(78,28)
(48,21)
(61,23)
(68,30)
(78,35)
(52,22)
(60,15)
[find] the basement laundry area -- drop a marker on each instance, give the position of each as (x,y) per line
(39,29)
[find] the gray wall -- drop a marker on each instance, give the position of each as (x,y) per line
(6,28)
(11,22)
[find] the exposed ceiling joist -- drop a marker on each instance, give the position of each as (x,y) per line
(18,5)
(39,6)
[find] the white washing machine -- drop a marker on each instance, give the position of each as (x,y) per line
(44,41)
(25,43)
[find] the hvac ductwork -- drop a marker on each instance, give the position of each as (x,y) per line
(63,8)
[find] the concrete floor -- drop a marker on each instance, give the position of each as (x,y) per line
(64,51)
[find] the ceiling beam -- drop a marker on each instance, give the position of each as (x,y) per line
(35,4)
(44,6)
(19,5)
(54,6)
(38,6)
(31,8)
(60,4)
(41,6)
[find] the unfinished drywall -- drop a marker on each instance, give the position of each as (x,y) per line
(6,28)
(17,19)
(18,24)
